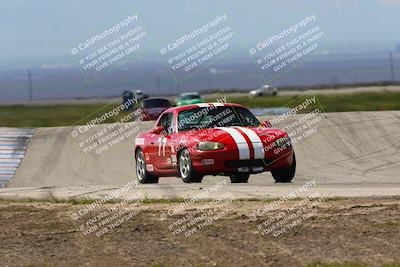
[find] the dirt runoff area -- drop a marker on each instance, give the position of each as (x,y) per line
(301,232)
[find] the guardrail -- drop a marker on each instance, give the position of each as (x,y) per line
(13,145)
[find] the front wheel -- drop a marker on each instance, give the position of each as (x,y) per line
(285,175)
(186,171)
(141,172)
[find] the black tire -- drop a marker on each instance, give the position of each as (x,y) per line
(285,175)
(239,178)
(143,176)
(186,171)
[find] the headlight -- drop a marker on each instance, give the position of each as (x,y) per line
(283,141)
(210,146)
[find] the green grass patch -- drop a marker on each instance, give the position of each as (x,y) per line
(162,200)
(53,200)
(329,103)
(79,114)
(176,200)
(56,115)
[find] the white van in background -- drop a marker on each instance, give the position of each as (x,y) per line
(265,90)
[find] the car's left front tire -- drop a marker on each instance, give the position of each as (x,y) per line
(186,171)
(287,174)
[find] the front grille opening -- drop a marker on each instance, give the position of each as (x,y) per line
(232,164)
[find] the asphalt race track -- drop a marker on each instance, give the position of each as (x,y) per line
(350,154)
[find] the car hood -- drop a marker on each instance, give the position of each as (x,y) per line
(235,135)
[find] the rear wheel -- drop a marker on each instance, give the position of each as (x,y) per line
(285,175)
(240,178)
(141,172)
(187,173)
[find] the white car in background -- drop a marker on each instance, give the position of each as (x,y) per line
(265,90)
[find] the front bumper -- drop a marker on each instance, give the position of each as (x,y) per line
(224,162)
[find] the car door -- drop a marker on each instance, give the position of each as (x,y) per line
(151,149)
(163,157)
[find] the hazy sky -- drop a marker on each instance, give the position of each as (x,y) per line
(50,28)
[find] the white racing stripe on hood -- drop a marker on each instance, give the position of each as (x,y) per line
(243,147)
(255,141)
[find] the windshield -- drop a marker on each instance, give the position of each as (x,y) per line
(155,103)
(210,117)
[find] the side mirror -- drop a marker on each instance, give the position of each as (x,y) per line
(267,124)
(158,129)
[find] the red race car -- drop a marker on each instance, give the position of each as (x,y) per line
(213,139)
(153,107)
